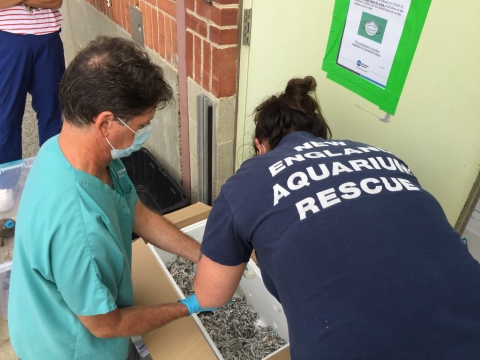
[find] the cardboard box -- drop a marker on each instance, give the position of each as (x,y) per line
(186,338)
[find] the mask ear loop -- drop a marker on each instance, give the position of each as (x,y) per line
(264,151)
(109,143)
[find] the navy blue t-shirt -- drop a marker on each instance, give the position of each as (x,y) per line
(362,258)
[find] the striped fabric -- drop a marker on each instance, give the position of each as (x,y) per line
(19,20)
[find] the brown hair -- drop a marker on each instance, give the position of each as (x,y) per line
(112,74)
(295,109)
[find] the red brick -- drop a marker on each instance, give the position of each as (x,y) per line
(143,10)
(161,34)
(98,5)
(103,6)
(197,25)
(207,62)
(229,16)
(224,71)
(168,39)
(197,74)
(203,8)
(111,11)
(126,16)
(189,45)
(220,16)
(190,4)
(117,13)
(226,2)
(121,11)
(168,6)
(155,29)
(174,44)
(147,22)
(223,36)
(152,2)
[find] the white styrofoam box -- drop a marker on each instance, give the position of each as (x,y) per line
(4,286)
(269,310)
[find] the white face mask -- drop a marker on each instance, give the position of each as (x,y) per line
(371,28)
(141,137)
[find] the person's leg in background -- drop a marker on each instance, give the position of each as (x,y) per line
(15,72)
(48,68)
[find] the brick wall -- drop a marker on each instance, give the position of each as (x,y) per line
(212,37)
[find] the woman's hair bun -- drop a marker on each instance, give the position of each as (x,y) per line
(295,109)
(301,87)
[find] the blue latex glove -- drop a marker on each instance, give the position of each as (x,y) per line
(193,306)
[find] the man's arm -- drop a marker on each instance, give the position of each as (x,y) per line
(45,4)
(133,320)
(9,3)
(156,230)
(214,283)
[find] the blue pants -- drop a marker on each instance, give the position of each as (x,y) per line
(29,64)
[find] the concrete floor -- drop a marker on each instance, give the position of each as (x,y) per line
(29,131)
(29,149)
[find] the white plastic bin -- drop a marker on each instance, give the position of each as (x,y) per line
(12,178)
(269,310)
(12,181)
(4,286)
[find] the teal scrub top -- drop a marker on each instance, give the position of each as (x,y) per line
(72,257)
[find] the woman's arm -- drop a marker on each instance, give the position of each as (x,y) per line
(214,283)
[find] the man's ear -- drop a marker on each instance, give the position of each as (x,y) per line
(103,123)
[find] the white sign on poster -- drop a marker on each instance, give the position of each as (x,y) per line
(371,36)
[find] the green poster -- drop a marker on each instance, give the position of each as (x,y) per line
(371,47)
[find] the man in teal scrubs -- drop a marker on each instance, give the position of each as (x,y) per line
(71,291)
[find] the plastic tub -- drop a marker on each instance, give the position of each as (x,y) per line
(12,181)
(155,186)
(4,286)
